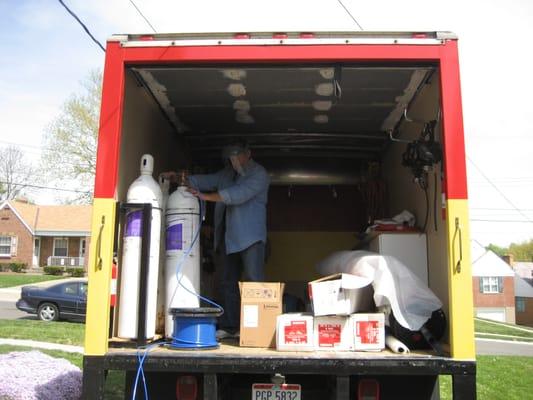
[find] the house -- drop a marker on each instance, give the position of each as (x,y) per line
(524,270)
(524,301)
(44,235)
(493,286)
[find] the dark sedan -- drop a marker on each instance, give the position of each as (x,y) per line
(67,300)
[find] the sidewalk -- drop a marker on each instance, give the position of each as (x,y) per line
(13,293)
(42,345)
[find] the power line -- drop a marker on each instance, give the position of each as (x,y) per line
(500,209)
(82,25)
(351,16)
(142,15)
(501,220)
(498,190)
(44,187)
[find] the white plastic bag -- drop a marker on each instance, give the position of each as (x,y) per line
(411,301)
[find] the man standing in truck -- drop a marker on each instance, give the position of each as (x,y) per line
(240,191)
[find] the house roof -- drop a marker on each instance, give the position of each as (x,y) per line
(48,220)
(522,288)
(523,269)
(487,263)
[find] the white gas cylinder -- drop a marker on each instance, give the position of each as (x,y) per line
(182,224)
(143,190)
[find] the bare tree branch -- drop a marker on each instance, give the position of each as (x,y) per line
(15,172)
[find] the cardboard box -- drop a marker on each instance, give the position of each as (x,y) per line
(340,294)
(333,333)
(368,331)
(261,303)
(295,332)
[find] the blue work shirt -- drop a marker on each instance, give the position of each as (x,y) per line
(244,198)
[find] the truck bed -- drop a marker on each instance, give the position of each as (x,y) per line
(230,358)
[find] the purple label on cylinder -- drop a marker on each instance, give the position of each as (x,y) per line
(134,224)
(175,237)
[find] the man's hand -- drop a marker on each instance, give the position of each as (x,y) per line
(172,176)
(205,196)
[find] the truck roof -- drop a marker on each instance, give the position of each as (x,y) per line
(280,38)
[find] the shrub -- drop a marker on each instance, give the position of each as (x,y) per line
(17,266)
(76,272)
(54,270)
(4,267)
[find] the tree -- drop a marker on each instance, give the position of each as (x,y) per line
(15,172)
(501,251)
(69,145)
(522,251)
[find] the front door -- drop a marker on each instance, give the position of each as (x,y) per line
(36,251)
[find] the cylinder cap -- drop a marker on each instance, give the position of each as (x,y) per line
(147,164)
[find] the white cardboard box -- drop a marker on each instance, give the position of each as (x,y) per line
(340,294)
(367,331)
(295,332)
(333,333)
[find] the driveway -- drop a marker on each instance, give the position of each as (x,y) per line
(503,348)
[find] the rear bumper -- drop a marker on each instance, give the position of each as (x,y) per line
(22,305)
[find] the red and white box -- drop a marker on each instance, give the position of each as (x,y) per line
(294,332)
(333,333)
(368,331)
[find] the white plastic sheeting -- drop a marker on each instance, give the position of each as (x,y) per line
(411,301)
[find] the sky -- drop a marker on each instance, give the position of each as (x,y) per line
(46,54)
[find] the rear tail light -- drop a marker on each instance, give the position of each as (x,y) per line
(368,389)
(280,36)
(146,37)
(307,35)
(420,35)
(186,388)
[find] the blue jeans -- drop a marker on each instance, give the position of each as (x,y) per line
(251,261)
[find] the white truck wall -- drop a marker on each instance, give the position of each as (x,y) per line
(144,130)
(406,194)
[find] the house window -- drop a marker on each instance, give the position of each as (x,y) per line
(520,304)
(491,284)
(60,247)
(5,246)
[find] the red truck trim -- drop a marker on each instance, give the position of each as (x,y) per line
(118,57)
(452,111)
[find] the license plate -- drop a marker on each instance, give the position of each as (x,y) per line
(270,391)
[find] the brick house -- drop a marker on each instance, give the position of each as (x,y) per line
(44,235)
(493,286)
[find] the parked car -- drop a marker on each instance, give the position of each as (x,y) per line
(66,300)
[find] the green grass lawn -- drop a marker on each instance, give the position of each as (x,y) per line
(54,332)
(10,280)
(498,377)
(498,330)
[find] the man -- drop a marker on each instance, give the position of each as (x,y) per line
(240,192)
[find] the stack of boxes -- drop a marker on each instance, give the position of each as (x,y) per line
(339,321)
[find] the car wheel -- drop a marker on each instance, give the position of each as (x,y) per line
(48,312)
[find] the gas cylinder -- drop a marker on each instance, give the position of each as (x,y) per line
(182,264)
(143,190)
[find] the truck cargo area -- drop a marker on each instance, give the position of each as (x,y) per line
(332,136)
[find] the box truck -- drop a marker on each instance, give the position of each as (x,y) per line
(352,127)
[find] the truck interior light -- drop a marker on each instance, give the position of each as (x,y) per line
(280,36)
(322,105)
(241,105)
(234,74)
(327,73)
(321,119)
(307,35)
(324,89)
(241,36)
(237,89)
